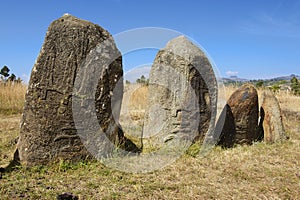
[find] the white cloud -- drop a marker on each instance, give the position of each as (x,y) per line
(231,73)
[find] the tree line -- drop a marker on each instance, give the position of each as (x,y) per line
(294,84)
(275,87)
(142,80)
(6,77)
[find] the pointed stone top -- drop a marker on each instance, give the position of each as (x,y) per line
(182,46)
(68,21)
(70,18)
(180,39)
(66,14)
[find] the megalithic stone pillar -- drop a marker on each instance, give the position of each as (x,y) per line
(48,131)
(182,95)
(243,104)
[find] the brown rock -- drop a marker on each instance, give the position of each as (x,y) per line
(182,95)
(271,118)
(72,48)
(244,106)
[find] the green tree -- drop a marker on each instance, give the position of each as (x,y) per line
(260,83)
(147,82)
(294,80)
(4,72)
(295,85)
(19,80)
(275,88)
(12,78)
(282,82)
(142,80)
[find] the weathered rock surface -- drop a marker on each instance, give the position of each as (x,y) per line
(244,106)
(225,128)
(271,118)
(182,95)
(48,131)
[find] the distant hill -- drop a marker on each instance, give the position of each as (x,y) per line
(283,78)
(235,79)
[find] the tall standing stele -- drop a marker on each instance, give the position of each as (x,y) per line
(182,96)
(72,48)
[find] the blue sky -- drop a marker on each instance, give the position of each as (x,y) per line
(251,39)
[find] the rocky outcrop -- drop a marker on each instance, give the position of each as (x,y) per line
(74,51)
(182,95)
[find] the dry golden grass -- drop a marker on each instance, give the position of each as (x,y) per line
(133,111)
(260,171)
(138,102)
(289,102)
(138,99)
(134,101)
(12,98)
(290,106)
(9,131)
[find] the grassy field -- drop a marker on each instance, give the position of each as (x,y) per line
(259,171)
(12,98)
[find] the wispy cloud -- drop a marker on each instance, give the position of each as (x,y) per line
(231,73)
(282,22)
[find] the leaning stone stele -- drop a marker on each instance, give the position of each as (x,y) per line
(72,48)
(182,95)
(271,117)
